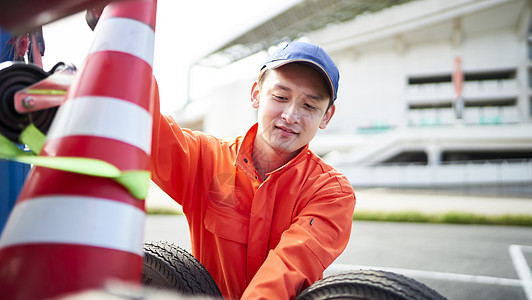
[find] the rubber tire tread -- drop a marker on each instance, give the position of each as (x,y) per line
(168,266)
(369,285)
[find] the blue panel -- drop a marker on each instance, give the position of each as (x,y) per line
(6,49)
(12,175)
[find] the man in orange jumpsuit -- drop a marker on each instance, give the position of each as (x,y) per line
(266,214)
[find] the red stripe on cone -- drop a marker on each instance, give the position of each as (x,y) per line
(46,269)
(143,11)
(117,66)
(121,155)
(46,182)
(41,270)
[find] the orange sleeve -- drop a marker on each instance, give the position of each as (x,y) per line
(174,156)
(314,240)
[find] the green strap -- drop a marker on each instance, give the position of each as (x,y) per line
(80,165)
(9,149)
(33,138)
(46,92)
(136,182)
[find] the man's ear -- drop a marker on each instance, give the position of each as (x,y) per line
(255,95)
(327,117)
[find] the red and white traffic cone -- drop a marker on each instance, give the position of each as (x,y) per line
(70,232)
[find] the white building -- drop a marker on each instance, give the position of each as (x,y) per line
(396,122)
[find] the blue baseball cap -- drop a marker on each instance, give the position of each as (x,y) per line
(310,54)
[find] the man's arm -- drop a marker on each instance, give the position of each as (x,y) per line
(174,155)
(316,237)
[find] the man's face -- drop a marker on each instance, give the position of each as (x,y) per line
(292,104)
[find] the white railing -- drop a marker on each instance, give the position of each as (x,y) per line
(491,115)
(491,88)
(435,92)
(429,92)
(404,176)
(471,115)
(431,116)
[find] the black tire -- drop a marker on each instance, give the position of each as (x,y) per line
(167,266)
(370,285)
(15,76)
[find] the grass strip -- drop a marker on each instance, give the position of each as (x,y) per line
(444,218)
(415,217)
(163,211)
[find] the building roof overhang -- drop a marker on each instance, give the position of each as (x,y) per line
(291,24)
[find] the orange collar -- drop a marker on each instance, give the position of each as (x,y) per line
(244,158)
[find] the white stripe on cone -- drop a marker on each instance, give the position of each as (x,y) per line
(75,220)
(125,35)
(130,123)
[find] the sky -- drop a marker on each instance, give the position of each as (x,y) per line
(185,32)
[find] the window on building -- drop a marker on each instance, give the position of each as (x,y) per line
(530,77)
(529,44)
(491,75)
(458,156)
(500,102)
(407,157)
(429,79)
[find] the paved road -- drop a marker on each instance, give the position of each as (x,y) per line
(460,262)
